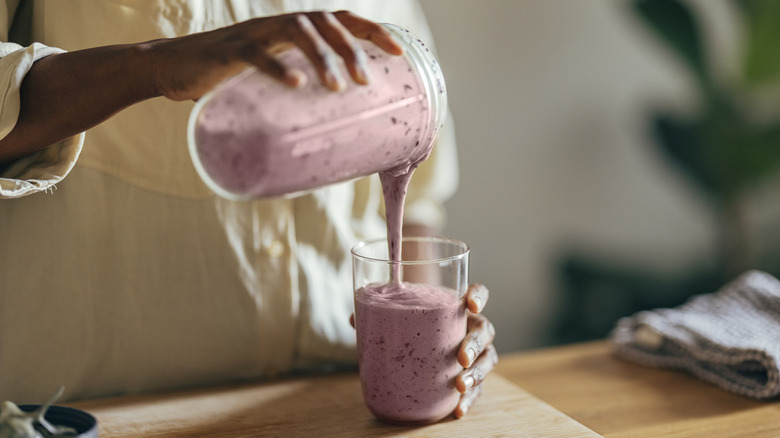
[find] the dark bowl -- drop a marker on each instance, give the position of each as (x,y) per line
(84,423)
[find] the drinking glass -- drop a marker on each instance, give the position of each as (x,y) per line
(409,331)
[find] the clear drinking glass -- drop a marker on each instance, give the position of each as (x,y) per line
(408,333)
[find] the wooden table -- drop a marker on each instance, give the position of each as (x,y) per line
(570,391)
(616,398)
(323,406)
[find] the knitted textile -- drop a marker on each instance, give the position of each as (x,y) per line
(730,338)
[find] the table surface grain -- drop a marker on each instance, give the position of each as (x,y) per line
(617,398)
(568,391)
(323,406)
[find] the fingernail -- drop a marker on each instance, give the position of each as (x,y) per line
(477,303)
(295,78)
(361,66)
(471,354)
(334,81)
(333,77)
(362,74)
(468,382)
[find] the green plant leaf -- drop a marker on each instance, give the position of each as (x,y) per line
(749,8)
(674,22)
(721,151)
(762,36)
(682,142)
(758,156)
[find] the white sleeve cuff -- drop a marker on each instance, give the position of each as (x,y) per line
(39,171)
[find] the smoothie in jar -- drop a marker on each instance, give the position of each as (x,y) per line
(253,137)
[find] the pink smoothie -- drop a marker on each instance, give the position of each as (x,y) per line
(408,336)
(254,137)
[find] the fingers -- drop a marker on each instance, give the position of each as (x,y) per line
(344,44)
(324,38)
(480,335)
(272,67)
(473,376)
(467,401)
(187,67)
(477,354)
(477,297)
(368,30)
(306,36)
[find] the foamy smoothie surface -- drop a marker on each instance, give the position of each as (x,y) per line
(408,338)
(408,295)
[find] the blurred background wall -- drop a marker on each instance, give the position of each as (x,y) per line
(574,214)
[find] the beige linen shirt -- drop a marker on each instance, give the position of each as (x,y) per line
(129,275)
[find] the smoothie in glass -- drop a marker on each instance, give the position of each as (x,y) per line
(408,339)
(409,333)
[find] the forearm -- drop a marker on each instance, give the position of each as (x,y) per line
(68,93)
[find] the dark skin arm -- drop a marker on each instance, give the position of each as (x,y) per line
(65,94)
(55,105)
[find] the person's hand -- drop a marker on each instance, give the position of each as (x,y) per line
(477,354)
(187,67)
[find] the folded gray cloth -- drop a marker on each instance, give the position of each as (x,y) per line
(730,338)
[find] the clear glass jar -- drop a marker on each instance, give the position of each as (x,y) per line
(253,137)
